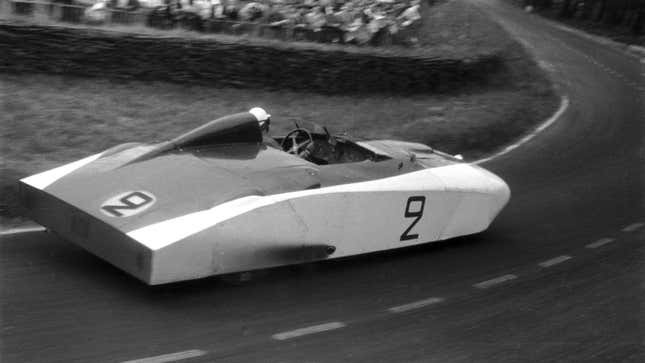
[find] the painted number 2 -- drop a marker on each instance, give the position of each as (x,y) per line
(413,209)
(127,204)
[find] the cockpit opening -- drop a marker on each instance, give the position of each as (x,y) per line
(252,127)
(324,148)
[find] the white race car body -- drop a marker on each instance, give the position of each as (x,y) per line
(177,211)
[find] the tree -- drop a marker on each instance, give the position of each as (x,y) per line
(566,10)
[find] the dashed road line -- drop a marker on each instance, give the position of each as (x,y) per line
(496,281)
(593,38)
(171,357)
(415,305)
(633,227)
(21,230)
(629,50)
(554,261)
(599,243)
(602,66)
(308,330)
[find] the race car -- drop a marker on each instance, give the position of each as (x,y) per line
(226,198)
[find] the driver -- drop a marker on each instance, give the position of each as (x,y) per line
(264,119)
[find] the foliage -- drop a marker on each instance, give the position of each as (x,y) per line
(629,14)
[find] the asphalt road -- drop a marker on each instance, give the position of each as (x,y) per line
(558,277)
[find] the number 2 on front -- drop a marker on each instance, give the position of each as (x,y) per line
(418,203)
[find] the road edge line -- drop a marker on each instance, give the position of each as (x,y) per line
(564,105)
(13,231)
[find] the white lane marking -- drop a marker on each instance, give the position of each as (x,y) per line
(308,330)
(633,227)
(172,357)
(496,281)
(564,104)
(600,242)
(21,230)
(554,261)
(415,305)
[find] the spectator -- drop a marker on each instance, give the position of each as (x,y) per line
(186,6)
(231,9)
(151,3)
(377,20)
(126,4)
(346,14)
(97,13)
(315,19)
(67,13)
(355,32)
(252,11)
(187,15)
(357,21)
(410,15)
(297,17)
(218,9)
(203,8)
(276,15)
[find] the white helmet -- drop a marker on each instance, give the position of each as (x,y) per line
(264,119)
(260,114)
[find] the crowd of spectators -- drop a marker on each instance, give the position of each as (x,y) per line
(338,21)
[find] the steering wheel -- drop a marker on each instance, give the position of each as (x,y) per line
(296,141)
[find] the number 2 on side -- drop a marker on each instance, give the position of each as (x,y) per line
(413,209)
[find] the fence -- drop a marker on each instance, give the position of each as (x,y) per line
(160,19)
